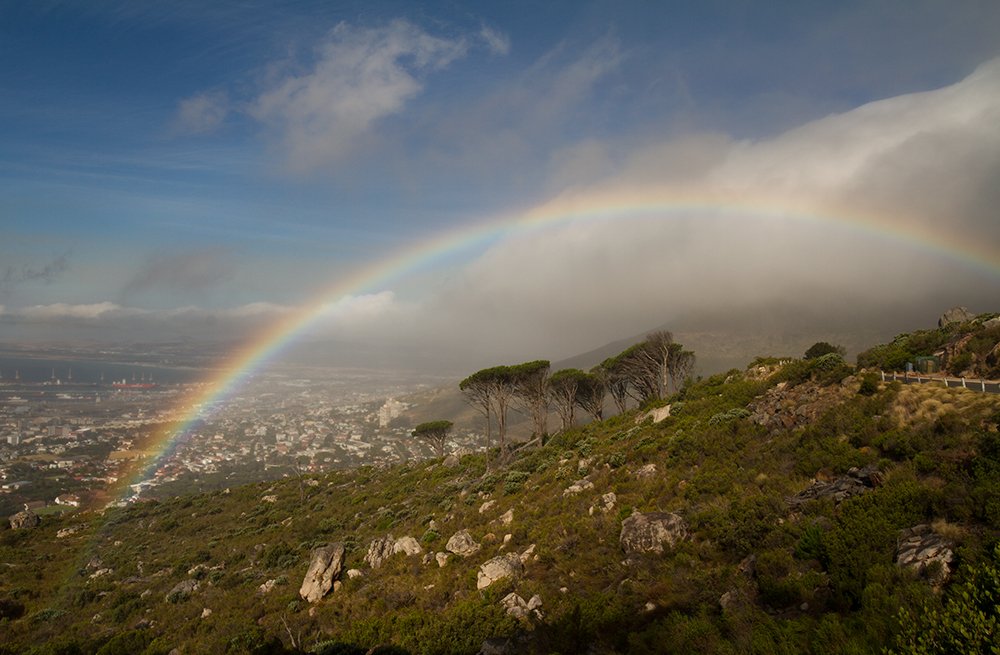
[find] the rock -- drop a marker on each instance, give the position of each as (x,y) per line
(857,481)
(451,461)
(506,538)
(269,499)
(442,559)
(337,584)
(325,566)
(921,550)
(658,414)
(432,525)
(992,323)
(266,587)
(66,532)
(487,506)
(354,573)
(515,606)
(181,591)
(955,315)
(609,499)
(506,518)
(646,472)
(649,533)
(379,550)
(462,544)
(99,573)
(577,487)
(25,520)
(407,545)
(526,555)
(205,613)
(499,568)
(583,465)
(649,606)
(535,602)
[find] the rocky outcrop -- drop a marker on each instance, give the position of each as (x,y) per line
(379,550)
(578,487)
(499,568)
(646,472)
(652,532)
(462,544)
(25,520)
(506,518)
(785,408)
(521,609)
(325,566)
(955,315)
(857,481)
(922,550)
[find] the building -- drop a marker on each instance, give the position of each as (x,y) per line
(391,409)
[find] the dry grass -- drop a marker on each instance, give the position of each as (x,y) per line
(918,404)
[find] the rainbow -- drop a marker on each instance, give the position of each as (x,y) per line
(257,352)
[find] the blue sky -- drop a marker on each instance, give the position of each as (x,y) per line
(209,157)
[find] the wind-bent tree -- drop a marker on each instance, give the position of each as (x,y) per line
(532,393)
(681,365)
(436,432)
(563,387)
(492,390)
(590,393)
(476,389)
(617,381)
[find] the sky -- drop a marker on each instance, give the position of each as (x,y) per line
(528,179)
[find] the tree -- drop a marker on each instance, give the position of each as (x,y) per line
(491,391)
(436,432)
(532,392)
(591,391)
(616,380)
(476,389)
(563,387)
(681,364)
(821,348)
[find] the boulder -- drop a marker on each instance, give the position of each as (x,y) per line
(658,414)
(181,591)
(407,545)
(487,506)
(266,587)
(521,609)
(499,568)
(325,566)
(506,518)
(646,472)
(354,573)
(442,559)
(379,550)
(451,461)
(25,520)
(462,544)
(67,532)
(650,532)
(955,315)
(922,550)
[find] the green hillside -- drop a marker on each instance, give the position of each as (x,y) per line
(796,506)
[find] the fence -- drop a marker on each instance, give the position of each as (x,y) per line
(982,386)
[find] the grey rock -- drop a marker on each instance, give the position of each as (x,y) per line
(407,545)
(922,550)
(499,568)
(379,550)
(462,544)
(25,520)
(325,566)
(577,487)
(857,481)
(955,315)
(651,532)
(181,591)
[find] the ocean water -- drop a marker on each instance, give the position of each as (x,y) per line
(34,370)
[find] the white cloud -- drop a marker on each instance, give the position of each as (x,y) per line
(70,311)
(360,75)
(497,42)
(202,113)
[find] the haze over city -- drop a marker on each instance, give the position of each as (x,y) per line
(477,182)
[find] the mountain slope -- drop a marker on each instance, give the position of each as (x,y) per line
(786,489)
